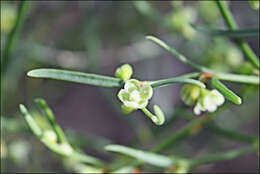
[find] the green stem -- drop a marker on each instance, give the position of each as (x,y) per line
(221,156)
(178,55)
(238,78)
(221,76)
(54,147)
(158,119)
(230,22)
(13,35)
(221,131)
(179,79)
(231,134)
(185,131)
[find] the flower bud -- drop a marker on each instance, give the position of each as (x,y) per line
(181,20)
(124,72)
(208,11)
(234,57)
(8,16)
(254,4)
(127,110)
(190,94)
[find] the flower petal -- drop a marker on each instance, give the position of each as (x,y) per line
(146,92)
(131,85)
(123,95)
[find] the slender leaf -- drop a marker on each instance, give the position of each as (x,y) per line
(181,57)
(239,78)
(149,157)
(165,82)
(30,121)
(50,116)
(228,94)
(228,33)
(77,77)
(222,156)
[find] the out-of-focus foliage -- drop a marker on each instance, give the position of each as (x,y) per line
(98,36)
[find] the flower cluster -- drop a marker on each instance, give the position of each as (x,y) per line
(206,100)
(136,95)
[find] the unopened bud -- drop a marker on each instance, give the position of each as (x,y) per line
(124,72)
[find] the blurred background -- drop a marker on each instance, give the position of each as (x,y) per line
(97,37)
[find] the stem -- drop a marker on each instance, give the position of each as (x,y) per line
(13,35)
(180,79)
(178,55)
(238,78)
(221,76)
(221,131)
(231,134)
(222,156)
(186,131)
(158,118)
(230,22)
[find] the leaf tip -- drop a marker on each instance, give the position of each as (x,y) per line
(22,108)
(30,73)
(239,101)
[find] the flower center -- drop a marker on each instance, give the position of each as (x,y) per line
(135,96)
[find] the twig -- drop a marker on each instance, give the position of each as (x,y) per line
(230,22)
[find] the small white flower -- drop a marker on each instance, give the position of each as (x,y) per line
(134,95)
(209,101)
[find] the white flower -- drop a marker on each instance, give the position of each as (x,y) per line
(209,101)
(134,96)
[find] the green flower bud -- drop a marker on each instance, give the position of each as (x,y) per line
(254,4)
(134,95)
(234,57)
(124,72)
(127,110)
(8,16)
(181,21)
(208,101)
(208,11)
(190,94)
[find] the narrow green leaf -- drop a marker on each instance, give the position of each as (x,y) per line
(228,33)
(181,57)
(158,118)
(77,77)
(50,116)
(228,94)
(239,78)
(160,115)
(165,82)
(149,157)
(30,121)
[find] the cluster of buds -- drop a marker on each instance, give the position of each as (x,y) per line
(204,99)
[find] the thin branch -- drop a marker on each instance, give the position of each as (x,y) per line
(230,22)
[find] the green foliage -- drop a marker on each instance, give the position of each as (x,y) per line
(203,90)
